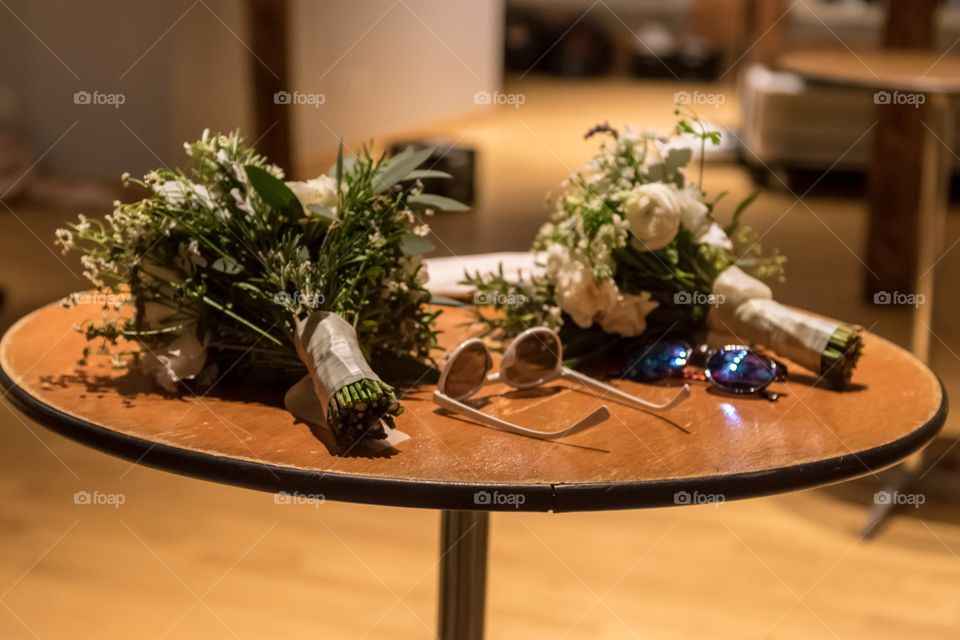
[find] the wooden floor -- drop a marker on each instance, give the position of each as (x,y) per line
(187,559)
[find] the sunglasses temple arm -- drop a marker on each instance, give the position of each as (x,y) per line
(448,403)
(601,387)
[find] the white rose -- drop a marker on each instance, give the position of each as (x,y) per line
(628,317)
(321,192)
(693,212)
(693,216)
(578,292)
(653,212)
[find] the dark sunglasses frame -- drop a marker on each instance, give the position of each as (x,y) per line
(698,358)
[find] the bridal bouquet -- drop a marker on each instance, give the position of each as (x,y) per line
(634,252)
(224,269)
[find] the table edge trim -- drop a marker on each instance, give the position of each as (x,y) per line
(262,476)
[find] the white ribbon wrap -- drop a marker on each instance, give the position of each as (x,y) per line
(327,345)
(182,357)
(748,311)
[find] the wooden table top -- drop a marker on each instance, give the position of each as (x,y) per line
(899,70)
(712,445)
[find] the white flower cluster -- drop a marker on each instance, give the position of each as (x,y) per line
(634,194)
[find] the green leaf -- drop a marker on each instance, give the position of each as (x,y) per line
(657,172)
(339,175)
(731,228)
(414,245)
(226,265)
(677,158)
(425,173)
(432,201)
(272,190)
(398,167)
(345,163)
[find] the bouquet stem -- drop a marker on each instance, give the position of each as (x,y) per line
(841,354)
(356,403)
(361,409)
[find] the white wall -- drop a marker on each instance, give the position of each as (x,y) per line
(383,65)
(387,65)
(191,77)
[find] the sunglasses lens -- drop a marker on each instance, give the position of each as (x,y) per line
(740,370)
(467,371)
(658,361)
(537,358)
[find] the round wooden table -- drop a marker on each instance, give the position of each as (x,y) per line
(712,447)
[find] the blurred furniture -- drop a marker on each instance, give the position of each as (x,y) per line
(893,196)
(895,237)
(711,448)
(459,162)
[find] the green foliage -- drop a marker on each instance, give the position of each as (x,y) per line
(226,249)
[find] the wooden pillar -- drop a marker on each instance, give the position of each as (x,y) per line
(268,64)
(894,184)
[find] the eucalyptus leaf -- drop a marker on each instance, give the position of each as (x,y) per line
(348,162)
(677,158)
(425,173)
(272,190)
(414,245)
(226,265)
(656,172)
(398,167)
(433,201)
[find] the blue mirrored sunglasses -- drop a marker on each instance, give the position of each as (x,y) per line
(732,368)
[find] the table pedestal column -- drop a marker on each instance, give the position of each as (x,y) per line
(934,201)
(463,574)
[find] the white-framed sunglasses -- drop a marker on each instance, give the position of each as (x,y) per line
(535,357)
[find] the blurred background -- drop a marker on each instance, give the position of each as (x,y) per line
(505,89)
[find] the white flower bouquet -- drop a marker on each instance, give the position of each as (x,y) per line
(633,253)
(226,270)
